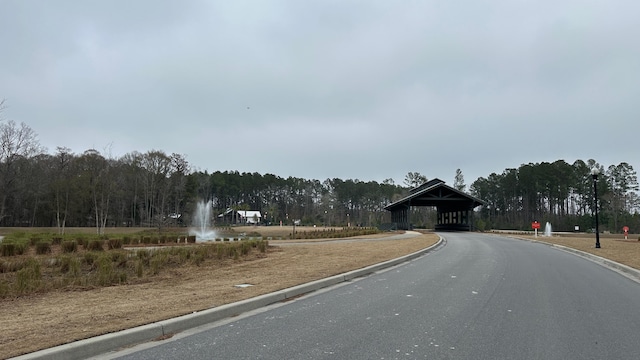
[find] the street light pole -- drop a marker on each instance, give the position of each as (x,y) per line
(594,175)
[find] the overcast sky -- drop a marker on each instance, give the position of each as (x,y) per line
(364,90)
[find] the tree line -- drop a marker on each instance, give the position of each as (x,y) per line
(156,189)
(562,194)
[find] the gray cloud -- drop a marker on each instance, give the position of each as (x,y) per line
(318,89)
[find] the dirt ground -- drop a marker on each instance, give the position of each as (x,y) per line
(37,322)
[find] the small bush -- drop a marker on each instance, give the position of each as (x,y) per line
(56,240)
(8,249)
(10,266)
(90,258)
(4,289)
(114,244)
(144,256)
(34,240)
(43,247)
(28,278)
(191,239)
(21,248)
(70,265)
(262,246)
(119,259)
(69,246)
(198,258)
(105,273)
(157,261)
(245,247)
(139,268)
(81,241)
(95,245)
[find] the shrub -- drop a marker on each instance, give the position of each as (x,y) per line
(4,289)
(8,249)
(119,258)
(10,266)
(198,257)
(245,247)
(105,273)
(157,261)
(69,246)
(191,239)
(139,268)
(21,248)
(114,244)
(34,240)
(90,258)
(70,265)
(43,247)
(81,241)
(262,246)
(480,225)
(28,278)
(56,240)
(144,256)
(95,245)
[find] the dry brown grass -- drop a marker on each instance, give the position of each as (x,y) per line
(41,321)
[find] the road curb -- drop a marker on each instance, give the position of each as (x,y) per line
(102,344)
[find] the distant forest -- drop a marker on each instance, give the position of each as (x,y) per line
(157,190)
(562,194)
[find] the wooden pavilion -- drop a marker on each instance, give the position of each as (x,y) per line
(454,207)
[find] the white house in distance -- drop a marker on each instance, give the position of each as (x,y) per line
(251,217)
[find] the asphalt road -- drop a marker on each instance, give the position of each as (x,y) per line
(478,297)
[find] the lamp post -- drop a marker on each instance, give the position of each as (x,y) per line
(594,175)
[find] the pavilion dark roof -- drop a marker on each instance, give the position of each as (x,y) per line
(436,193)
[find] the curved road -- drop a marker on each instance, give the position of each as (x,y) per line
(478,297)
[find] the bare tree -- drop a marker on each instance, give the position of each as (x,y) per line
(62,186)
(16,142)
(95,172)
